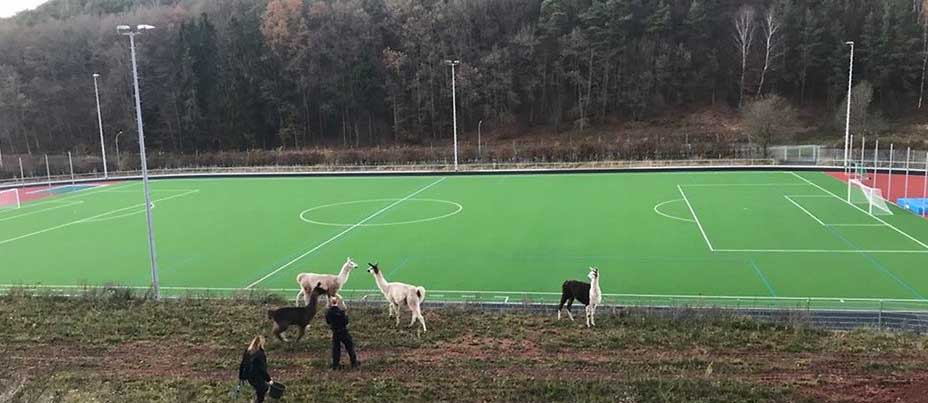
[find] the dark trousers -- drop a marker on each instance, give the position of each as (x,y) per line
(260,390)
(340,337)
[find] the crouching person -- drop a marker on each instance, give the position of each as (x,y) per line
(338,322)
(253,368)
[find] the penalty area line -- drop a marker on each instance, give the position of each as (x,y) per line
(340,234)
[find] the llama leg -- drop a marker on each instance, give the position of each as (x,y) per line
(593,315)
(277,332)
(561,306)
(396,311)
(589,314)
(570,303)
(341,301)
(299,297)
(300,335)
(418,314)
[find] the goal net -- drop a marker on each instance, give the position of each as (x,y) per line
(9,199)
(867,198)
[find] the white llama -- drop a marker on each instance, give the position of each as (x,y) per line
(596,297)
(330,283)
(400,293)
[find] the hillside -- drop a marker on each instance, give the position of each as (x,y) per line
(234,75)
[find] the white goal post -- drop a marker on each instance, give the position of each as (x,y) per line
(867,198)
(9,199)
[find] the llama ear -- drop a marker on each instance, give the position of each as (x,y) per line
(370,264)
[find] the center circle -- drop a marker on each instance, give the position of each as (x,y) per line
(454,208)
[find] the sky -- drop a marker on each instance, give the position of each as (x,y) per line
(10,7)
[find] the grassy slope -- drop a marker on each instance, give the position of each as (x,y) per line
(115,349)
(515,233)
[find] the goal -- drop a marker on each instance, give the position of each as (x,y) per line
(867,198)
(9,199)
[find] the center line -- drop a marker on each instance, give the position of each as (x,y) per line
(339,235)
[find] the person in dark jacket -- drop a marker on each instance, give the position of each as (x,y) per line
(338,322)
(253,368)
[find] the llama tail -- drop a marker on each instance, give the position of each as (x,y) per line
(420,292)
(299,278)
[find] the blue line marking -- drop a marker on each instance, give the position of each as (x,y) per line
(773,293)
(879,266)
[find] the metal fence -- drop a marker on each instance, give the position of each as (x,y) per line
(828,313)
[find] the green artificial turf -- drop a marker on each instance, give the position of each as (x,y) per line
(759,234)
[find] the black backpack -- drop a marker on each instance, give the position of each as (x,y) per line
(245,368)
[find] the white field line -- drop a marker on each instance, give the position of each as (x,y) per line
(469,293)
(864,211)
(855,225)
(91,218)
(695,217)
(804,209)
(347,230)
(918,251)
(67,204)
(689,185)
(658,211)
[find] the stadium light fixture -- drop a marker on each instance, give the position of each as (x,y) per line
(152,251)
(847,121)
(96,90)
(454,107)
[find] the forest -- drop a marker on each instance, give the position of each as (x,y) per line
(229,75)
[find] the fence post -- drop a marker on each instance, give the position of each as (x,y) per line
(1,157)
(880,317)
(48,171)
(908,158)
(22,174)
(71,165)
(889,189)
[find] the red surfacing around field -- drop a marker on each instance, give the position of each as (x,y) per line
(34,193)
(893,186)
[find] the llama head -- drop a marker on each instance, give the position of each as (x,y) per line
(318,290)
(373,268)
(594,273)
(350,264)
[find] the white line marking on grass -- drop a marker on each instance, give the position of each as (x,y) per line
(421,220)
(90,218)
(66,204)
(658,211)
(742,184)
(864,211)
(347,230)
(695,217)
(436,293)
(804,209)
(819,251)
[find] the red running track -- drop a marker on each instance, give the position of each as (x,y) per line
(893,186)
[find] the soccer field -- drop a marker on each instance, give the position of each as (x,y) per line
(487,237)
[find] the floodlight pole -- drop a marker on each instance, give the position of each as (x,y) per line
(131,32)
(847,121)
(454,106)
(96,91)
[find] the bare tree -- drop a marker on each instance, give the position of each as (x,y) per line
(744,37)
(923,19)
(772,39)
(769,119)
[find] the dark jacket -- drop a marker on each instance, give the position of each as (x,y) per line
(254,368)
(337,319)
